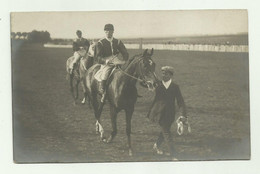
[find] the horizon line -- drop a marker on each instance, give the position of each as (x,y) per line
(165,37)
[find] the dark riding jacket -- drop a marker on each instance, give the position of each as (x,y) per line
(80,42)
(105,49)
(163,107)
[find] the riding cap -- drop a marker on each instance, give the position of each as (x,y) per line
(109,27)
(168,69)
(78,31)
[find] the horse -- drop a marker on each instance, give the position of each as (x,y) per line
(77,75)
(121,91)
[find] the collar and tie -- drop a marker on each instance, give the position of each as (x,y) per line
(167,84)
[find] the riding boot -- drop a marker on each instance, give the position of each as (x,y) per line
(102,86)
(103,90)
(72,68)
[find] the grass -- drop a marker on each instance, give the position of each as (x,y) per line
(47,127)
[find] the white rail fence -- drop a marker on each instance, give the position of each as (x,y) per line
(180,47)
(191,47)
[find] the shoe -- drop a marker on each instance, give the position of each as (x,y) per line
(174,159)
(158,151)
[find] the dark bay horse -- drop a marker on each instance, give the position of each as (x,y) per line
(121,92)
(78,74)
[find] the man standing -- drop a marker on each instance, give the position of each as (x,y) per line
(107,50)
(80,48)
(162,111)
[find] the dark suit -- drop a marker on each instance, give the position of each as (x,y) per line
(163,110)
(80,43)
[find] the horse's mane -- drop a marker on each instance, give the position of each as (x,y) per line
(130,60)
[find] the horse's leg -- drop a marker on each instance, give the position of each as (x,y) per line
(84,91)
(83,82)
(101,130)
(89,102)
(129,113)
(97,113)
(77,89)
(113,115)
(72,88)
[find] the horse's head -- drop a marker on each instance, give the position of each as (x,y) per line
(147,70)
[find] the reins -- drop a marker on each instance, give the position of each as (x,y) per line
(140,73)
(141,80)
(130,75)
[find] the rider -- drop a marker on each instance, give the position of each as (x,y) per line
(106,53)
(80,48)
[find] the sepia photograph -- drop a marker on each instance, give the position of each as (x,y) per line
(130,86)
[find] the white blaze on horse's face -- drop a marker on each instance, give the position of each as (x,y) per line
(151,62)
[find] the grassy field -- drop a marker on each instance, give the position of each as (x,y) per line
(47,127)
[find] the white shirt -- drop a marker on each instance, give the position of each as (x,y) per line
(166,84)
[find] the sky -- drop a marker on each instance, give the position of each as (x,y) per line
(133,24)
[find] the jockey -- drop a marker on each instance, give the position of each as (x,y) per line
(106,53)
(80,48)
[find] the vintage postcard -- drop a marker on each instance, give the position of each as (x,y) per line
(130,86)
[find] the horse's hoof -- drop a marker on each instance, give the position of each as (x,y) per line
(83,101)
(109,140)
(103,139)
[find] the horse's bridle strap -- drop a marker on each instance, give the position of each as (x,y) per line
(130,75)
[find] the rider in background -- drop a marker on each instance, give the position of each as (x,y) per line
(107,51)
(80,48)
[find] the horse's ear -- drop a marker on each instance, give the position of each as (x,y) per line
(145,52)
(152,52)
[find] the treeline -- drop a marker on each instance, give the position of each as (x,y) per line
(32,37)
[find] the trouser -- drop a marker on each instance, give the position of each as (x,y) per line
(77,55)
(166,135)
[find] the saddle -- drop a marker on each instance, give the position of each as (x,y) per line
(114,62)
(99,73)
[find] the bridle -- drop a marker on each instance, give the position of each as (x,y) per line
(141,74)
